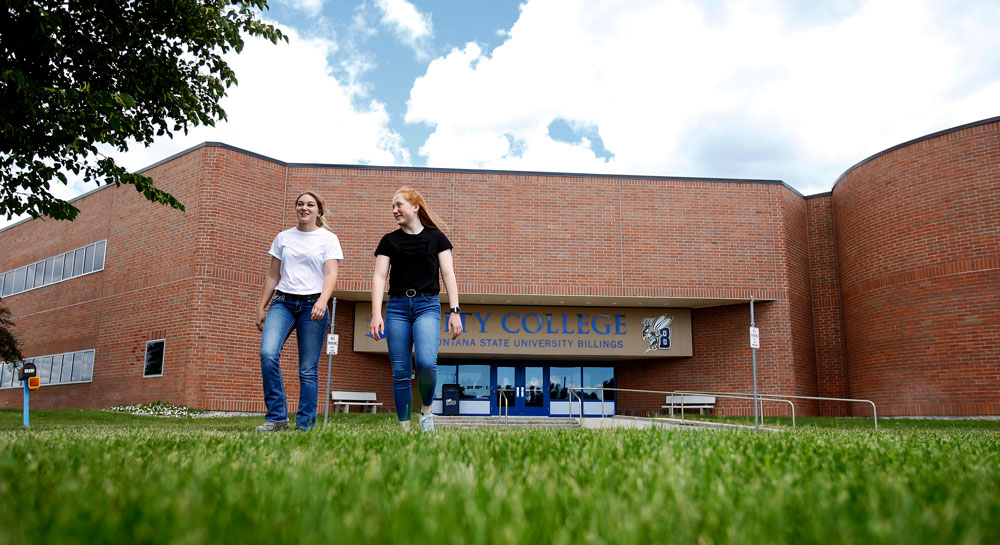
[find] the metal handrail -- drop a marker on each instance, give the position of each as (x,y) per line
(506,405)
(730,396)
(737,395)
(870,402)
(570,404)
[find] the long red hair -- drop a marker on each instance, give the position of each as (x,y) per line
(427,218)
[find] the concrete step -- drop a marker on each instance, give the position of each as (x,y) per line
(499,422)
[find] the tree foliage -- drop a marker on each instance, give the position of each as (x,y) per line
(75,75)
(10,352)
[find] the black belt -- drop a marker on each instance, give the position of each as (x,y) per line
(413,293)
(294,297)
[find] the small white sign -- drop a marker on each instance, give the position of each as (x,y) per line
(332,341)
(754,337)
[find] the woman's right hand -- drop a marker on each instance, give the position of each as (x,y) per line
(261,315)
(377,327)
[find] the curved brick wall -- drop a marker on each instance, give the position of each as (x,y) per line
(918,246)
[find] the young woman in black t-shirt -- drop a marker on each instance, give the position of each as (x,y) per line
(415,254)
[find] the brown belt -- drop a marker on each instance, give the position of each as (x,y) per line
(294,297)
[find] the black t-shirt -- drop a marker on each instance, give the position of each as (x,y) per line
(413,259)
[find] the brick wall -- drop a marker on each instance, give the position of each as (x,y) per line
(831,366)
(919,254)
(864,292)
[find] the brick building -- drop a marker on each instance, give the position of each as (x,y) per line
(886,288)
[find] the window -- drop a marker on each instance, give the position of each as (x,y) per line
(88,366)
(49,267)
(447,374)
(85,260)
(29,280)
(99,255)
(44,365)
(599,377)
(57,269)
(68,368)
(19,280)
(561,379)
(474,381)
(5,375)
(67,266)
(88,260)
(78,261)
(154,359)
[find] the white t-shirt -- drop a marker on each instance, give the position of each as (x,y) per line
(302,255)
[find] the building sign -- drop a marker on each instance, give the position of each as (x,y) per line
(579,332)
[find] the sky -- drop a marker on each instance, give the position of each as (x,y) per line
(797,91)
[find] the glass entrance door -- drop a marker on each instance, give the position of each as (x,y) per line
(521,387)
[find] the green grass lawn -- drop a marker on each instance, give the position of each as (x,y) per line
(93,477)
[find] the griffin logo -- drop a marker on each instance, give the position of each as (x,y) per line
(656,332)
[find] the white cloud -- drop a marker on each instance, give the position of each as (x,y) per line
(753,91)
(310,7)
(412,27)
(289,105)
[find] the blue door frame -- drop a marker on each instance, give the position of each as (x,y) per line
(523,386)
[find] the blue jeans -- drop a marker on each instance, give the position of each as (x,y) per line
(412,326)
(284,316)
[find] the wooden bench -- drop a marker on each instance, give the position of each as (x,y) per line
(346,399)
(690,402)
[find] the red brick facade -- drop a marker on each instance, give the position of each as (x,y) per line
(918,239)
(886,289)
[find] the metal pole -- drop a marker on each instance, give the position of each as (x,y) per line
(329,364)
(756,426)
(26,403)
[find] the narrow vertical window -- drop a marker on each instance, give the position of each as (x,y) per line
(67,368)
(99,255)
(56,372)
(67,265)
(154,359)
(88,260)
(49,269)
(39,273)
(44,368)
(77,366)
(29,277)
(19,280)
(78,261)
(88,366)
(57,268)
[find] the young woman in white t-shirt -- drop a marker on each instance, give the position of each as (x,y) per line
(303,270)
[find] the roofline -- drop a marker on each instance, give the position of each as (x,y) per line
(591,175)
(467,170)
(914,141)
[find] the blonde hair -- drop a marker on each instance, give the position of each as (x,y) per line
(427,218)
(320,204)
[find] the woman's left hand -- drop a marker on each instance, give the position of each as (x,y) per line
(455,325)
(318,311)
